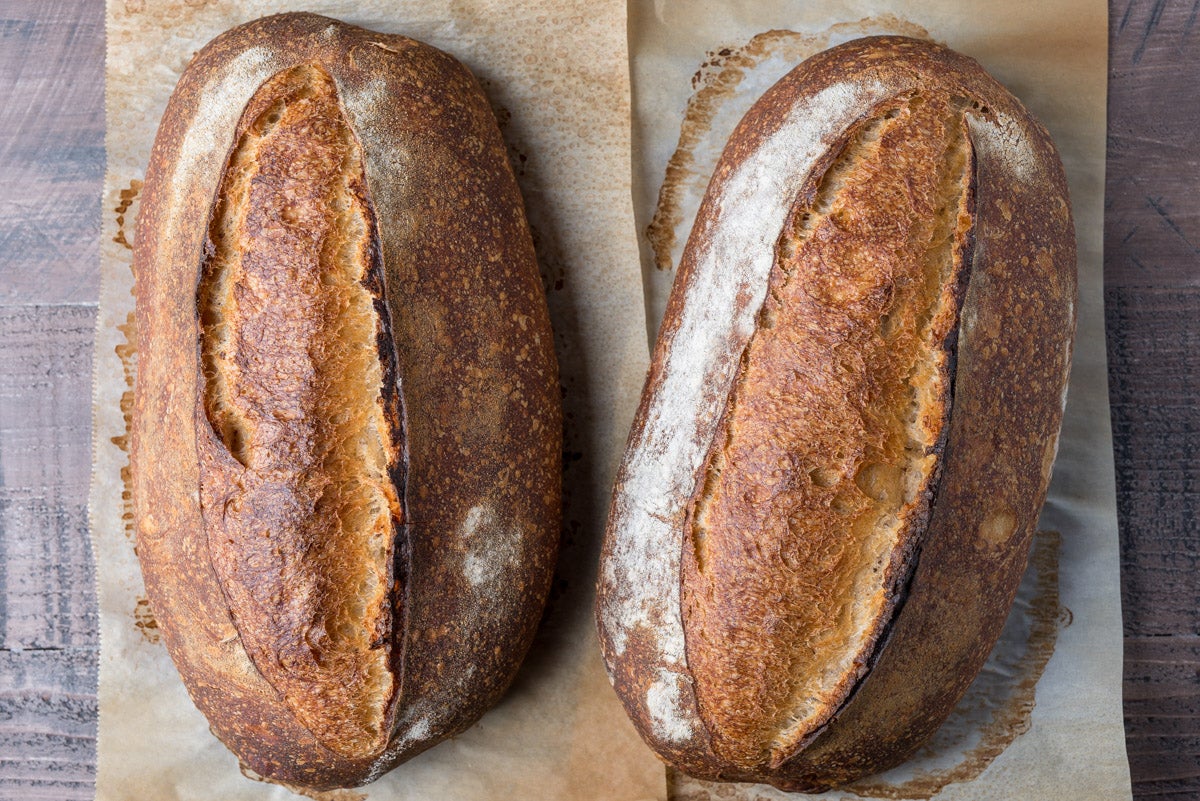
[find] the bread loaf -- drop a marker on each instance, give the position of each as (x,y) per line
(828,496)
(347,428)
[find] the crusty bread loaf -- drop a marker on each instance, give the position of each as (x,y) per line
(847,432)
(347,431)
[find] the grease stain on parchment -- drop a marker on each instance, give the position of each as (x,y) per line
(714,84)
(143,615)
(167,14)
(127,353)
(143,620)
(995,711)
(128,196)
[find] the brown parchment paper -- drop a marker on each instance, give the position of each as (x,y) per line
(557,75)
(1043,720)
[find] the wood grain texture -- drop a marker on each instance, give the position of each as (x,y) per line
(1154,374)
(1162,728)
(1152,220)
(48,641)
(1152,298)
(51,168)
(47,723)
(51,149)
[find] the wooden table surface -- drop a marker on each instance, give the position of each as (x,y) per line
(51,170)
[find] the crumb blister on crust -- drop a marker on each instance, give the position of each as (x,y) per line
(955,570)
(469,352)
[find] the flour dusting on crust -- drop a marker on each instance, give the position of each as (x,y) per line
(207,138)
(664,702)
(493,550)
(1003,142)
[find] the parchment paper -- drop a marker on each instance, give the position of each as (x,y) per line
(1044,718)
(558,75)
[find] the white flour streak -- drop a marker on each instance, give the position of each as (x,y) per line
(664,703)
(416,725)
(1005,143)
(210,135)
(493,551)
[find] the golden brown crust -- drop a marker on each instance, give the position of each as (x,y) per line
(800,665)
(389,180)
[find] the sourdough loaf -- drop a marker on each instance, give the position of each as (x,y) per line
(347,431)
(847,432)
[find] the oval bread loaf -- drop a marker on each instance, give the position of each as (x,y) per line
(847,432)
(347,427)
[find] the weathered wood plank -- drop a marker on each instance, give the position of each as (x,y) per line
(51,149)
(50,789)
(1154,354)
(1152,277)
(1162,695)
(33,698)
(51,167)
(1152,219)
(47,732)
(48,641)
(46,576)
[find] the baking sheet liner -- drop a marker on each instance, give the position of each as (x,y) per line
(559,733)
(1044,718)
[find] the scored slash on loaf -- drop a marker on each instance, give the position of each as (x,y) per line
(847,432)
